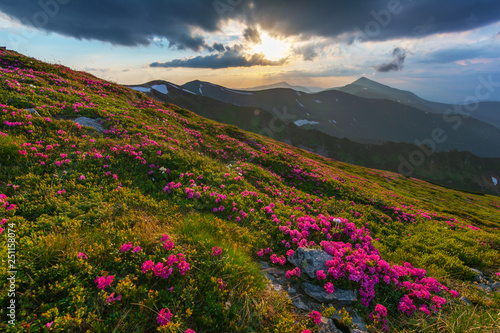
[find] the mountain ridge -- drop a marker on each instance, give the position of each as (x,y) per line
(445,168)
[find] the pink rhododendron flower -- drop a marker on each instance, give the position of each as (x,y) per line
(82,255)
(316,317)
(425,309)
(183,267)
(164,317)
(169,245)
(111,298)
(147,266)
(189,331)
(137,249)
(49,324)
(82,177)
(320,275)
(221,283)
(382,310)
(216,251)
(104,281)
(329,288)
(126,247)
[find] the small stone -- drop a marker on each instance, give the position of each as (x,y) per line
(339,297)
(495,286)
(484,287)
(33,111)
(477,274)
(465,300)
(94,123)
(310,260)
(327,326)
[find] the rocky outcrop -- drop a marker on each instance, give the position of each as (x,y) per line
(94,123)
(306,296)
(339,296)
(483,282)
(310,260)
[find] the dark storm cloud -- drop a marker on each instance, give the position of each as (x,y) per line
(124,22)
(252,35)
(398,59)
(135,23)
(230,58)
(372,19)
(218,47)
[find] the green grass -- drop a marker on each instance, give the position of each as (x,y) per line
(120,201)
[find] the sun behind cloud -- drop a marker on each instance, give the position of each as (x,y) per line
(272,48)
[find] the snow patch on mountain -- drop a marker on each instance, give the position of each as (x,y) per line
(201,92)
(141,89)
(189,91)
(317,101)
(298,93)
(160,88)
(494,180)
(303,122)
(300,103)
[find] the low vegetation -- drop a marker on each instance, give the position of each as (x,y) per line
(158,223)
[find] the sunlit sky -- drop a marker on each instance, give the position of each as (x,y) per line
(440,50)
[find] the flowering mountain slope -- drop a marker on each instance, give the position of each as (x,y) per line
(157,219)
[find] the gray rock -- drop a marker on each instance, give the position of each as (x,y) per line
(477,274)
(84,121)
(339,297)
(33,111)
(484,287)
(300,304)
(310,260)
(465,300)
(495,286)
(327,326)
(263,264)
(357,321)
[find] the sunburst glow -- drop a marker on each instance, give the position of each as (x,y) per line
(272,48)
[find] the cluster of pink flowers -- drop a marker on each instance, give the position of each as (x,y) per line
(104,281)
(82,255)
(168,244)
(6,204)
(216,251)
(316,317)
(292,272)
(278,260)
(164,317)
(356,259)
(171,186)
(261,252)
(112,298)
(128,246)
(165,270)
(378,316)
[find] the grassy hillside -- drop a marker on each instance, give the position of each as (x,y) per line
(159,222)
